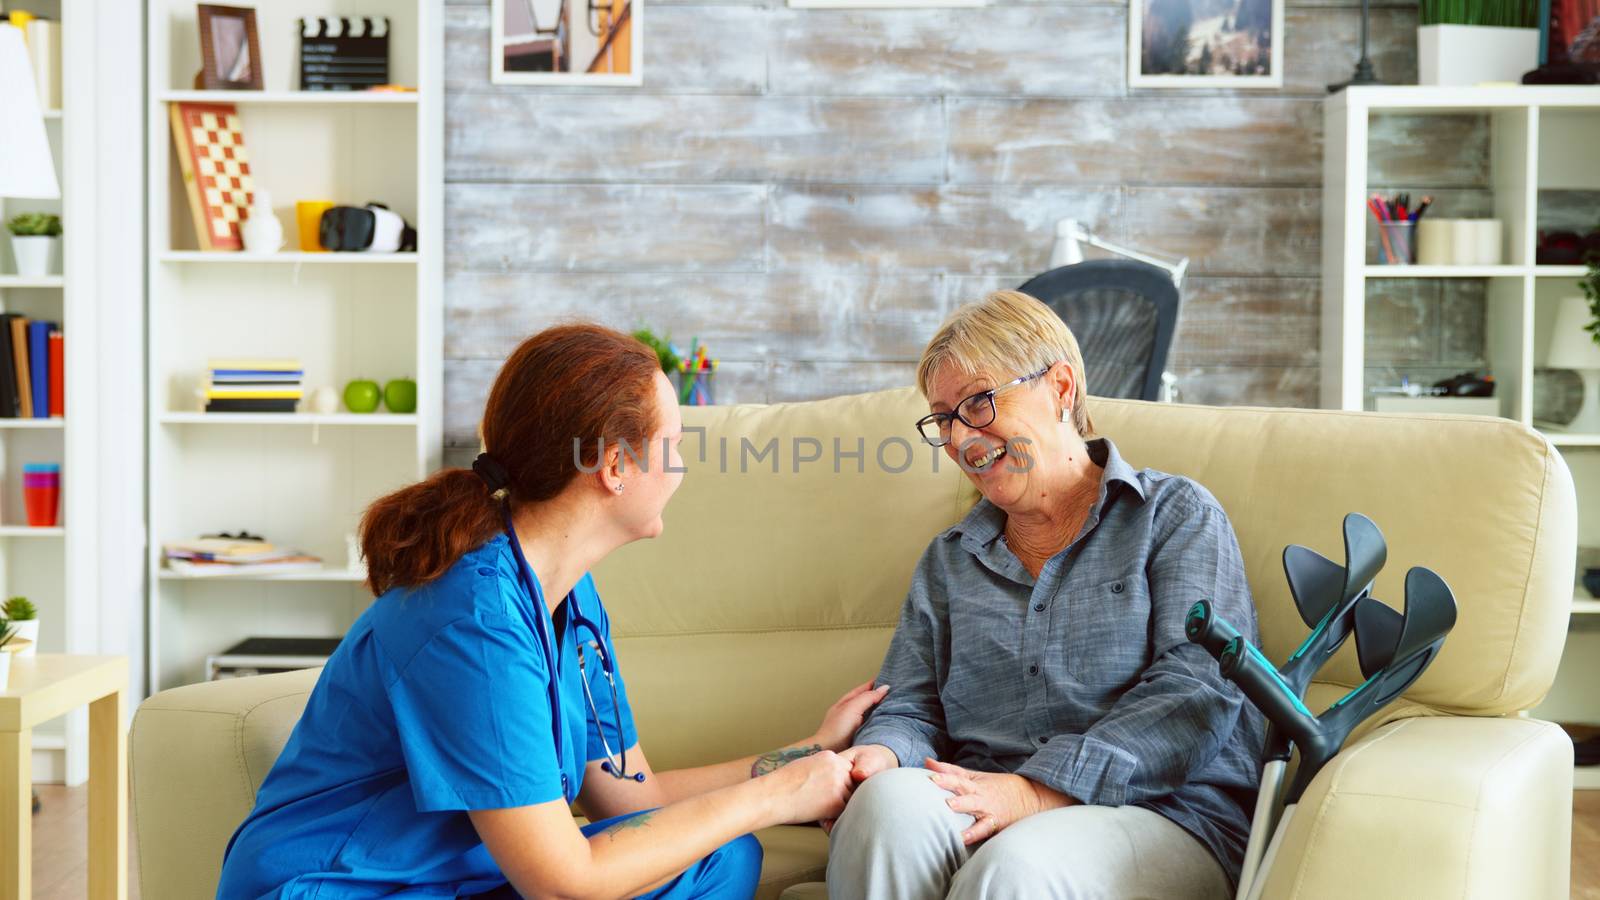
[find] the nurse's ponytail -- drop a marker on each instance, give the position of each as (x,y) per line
(571,383)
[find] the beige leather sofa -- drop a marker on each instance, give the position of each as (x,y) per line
(773,591)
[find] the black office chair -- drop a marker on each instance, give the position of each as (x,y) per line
(1123,313)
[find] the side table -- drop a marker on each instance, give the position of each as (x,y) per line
(41,688)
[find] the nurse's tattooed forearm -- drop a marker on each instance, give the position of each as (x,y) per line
(639,821)
(777,759)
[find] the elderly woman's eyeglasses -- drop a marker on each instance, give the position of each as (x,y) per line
(976,411)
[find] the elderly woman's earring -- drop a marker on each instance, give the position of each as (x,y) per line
(1066,414)
(619,488)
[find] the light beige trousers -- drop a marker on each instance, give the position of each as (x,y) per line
(897,840)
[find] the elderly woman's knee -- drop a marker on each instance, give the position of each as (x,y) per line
(899,802)
(1003,869)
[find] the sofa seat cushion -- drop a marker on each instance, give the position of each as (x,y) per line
(794,854)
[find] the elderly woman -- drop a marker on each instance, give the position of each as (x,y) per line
(1050,731)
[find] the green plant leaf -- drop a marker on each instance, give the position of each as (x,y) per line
(18,609)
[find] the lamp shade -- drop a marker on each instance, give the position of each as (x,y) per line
(1570,346)
(26,169)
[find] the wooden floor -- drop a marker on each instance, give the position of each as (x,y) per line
(60,845)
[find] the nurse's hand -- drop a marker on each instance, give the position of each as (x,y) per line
(810,789)
(844,717)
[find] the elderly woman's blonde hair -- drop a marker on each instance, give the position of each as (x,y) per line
(1007,334)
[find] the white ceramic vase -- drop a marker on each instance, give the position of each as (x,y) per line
(262,232)
(1473,54)
(34,254)
(28,630)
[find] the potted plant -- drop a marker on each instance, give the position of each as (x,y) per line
(33,241)
(1472,41)
(24,617)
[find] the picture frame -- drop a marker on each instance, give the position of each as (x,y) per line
(1164,50)
(230,48)
(590,43)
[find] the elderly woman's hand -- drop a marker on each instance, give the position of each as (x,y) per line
(994,801)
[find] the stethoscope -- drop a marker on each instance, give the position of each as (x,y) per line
(575,619)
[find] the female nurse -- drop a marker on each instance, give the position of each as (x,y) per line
(476,699)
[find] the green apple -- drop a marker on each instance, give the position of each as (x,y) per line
(361,396)
(400,395)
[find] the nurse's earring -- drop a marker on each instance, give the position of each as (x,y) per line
(619,488)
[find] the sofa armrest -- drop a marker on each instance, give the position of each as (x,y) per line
(198,755)
(1447,806)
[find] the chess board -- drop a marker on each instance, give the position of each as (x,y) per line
(216,170)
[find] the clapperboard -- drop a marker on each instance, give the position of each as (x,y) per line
(340,54)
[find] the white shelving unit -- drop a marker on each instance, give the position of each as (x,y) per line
(299,479)
(34,562)
(1541,139)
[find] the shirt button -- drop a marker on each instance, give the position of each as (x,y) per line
(1033,670)
(1116,587)
(1045,739)
(1038,607)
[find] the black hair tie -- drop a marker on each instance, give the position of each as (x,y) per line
(493,474)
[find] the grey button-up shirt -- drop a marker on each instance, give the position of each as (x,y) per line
(1082,679)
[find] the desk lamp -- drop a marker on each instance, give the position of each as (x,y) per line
(1070,233)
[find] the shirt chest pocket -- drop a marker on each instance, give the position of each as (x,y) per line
(1100,634)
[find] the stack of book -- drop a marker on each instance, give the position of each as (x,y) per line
(43,38)
(32,369)
(254,385)
(214,556)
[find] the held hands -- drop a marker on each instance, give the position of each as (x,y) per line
(995,802)
(811,789)
(868,760)
(844,717)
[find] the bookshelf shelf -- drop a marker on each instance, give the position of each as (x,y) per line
(301,480)
(378,420)
(54,424)
(53,115)
(327,574)
(47,282)
(26,531)
(288,257)
(1446,271)
(293,98)
(1583,604)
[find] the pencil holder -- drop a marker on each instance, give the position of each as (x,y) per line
(1396,247)
(695,388)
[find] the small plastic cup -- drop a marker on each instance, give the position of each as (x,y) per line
(41,493)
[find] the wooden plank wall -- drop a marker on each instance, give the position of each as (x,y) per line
(811,191)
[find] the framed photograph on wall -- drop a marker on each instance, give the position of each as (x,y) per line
(1205,43)
(230,49)
(578,42)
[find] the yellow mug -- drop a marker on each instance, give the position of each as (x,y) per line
(308,214)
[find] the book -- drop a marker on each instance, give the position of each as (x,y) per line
(19,355)
(256,377)
(250,406)
(253,393)
(58,374)
(221,548)
(39,367)
(196,568)
(10,401)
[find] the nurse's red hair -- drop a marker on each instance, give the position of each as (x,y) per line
(581,382)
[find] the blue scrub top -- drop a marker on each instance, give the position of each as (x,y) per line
(435,703)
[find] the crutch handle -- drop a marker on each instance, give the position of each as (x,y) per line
(1260,681)
(1204,627)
